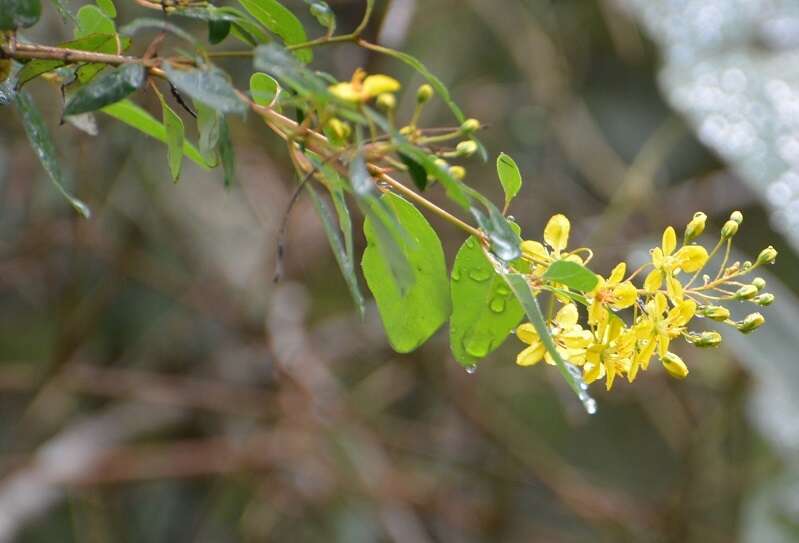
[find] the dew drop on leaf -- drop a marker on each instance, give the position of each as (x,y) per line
(471,370)
(480,275)
(497,305)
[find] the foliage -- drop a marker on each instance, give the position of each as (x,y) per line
(348,139)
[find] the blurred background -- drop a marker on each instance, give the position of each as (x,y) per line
(156,385)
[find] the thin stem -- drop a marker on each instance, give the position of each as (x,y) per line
(726,258)
(327,39)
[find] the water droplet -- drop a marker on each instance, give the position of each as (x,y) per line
(471,370)
(456,274)
(470,243)
(477,345)
(479,274)
(590,406)
(497,305)
(502,290)
(511,218)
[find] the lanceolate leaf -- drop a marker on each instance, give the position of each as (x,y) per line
(227,154)
(19,13)
(415,170)
(133,115)
(279,20)
(43,145)
(91,20)
(411,315)
(392,238)
(484,310)
(504,240)
(218,31)
(342,253)
(207,86)
(174,139)
(208,125)
(509,176)
(571,274)
(111,87)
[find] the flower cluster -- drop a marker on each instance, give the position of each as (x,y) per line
(674,292)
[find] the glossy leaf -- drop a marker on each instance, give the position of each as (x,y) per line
(505,242)
(571,274)
(521,289)
(415,170)
(133,115)
(410,315)
(342,252)
(42,144)
(107,7)
(218,31)
(509,176)
(279,20)
(264,89)
(91,20)
(92,42)
(484,309)
(208,86)
(226,154)
(392,238)
(19,13)
(107,89)
(323,14)
(208,125)
(174,138)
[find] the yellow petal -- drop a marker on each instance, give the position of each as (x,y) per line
(618,273)
(592,371)
(682,313)
(556,233)
(644,356)
(526,332)
(653,281)
(674,365)
(674,289)
(534,250)
(669,242)
(624,295)
(595,312)
(567,316)
(661,305)
(691,258)
(378,84)
(610,371)
(531,355)
(345,91)
(663,345)
(657,257)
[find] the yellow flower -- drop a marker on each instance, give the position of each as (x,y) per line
(570,339)
(612,355)
(362,88)
(556,236)
(614,294)
(658,327)
(689,258)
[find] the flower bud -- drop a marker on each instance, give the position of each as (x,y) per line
(737,217)
(767,256)
(441,163)
(424,93)
(705,339)
(406,130)
(715,312)
(729,229)
(470,125)
(764,299)
(674,365)
(746,292)
(387,101)
(339,128)
(457,172)
(759,283)
(750,323)
(695,227)
(466,148)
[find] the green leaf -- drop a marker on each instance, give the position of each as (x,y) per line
(208,86)
(226,154)
(218,31)
(484,310)
(63,11)
(107,7)
(174,138)
(208,125)
(111,87)
(323,14)
(19,13)
(456,190)
(91,20)
(342,253)
(133,115)
(521,289)
(150,22)
(571,274)
(392,237)
(279,20)
(264,89)
(244,27)
(43,145)
(92,42)
(509,176)
(415,170)
(410,316)
(505,241)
